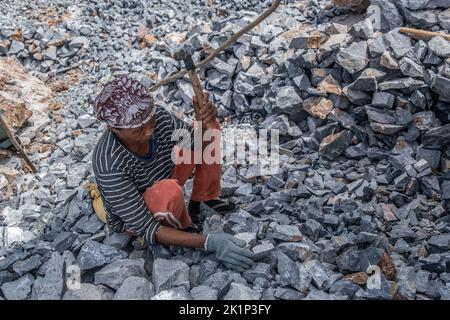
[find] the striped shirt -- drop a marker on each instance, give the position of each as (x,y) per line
(122,176)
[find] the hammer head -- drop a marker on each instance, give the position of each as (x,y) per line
(184,53)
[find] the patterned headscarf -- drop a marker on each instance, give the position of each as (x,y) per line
(124,103)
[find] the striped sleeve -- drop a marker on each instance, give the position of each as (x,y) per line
(123,200)
(182,133)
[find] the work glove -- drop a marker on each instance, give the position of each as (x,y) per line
(229,250)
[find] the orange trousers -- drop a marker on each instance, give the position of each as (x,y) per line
(165,198)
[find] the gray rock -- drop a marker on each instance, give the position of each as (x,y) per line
(219,281)
(369,257)
(117,240)
(410,68)
(444,19)
(432,59)
(440,47)
(302,82)
(431,156)
(16,47)
(178,293)
(244,190)
(258,270)
(64,241)
(320,295)
(79,42)
(6,262)
(407,84)
(207,268)
(114,274)
(404,117)
(420,19)
(19,289)
(441,241)
(421,280)
(204,293)
(134,288)
(305,60)
(51,286)
(170,273)
(275,183)
(399,43)
(88,291)
(344,288)
(290,274)
(6,276)
(390,16)
(50,53)
(312,229)
(430,186)
(93,225)
(377,46)
(445,187)
(262,250)
(86,120)
(383,99)
(354,58)
(287,233)
(387,129)
(30,264)
(93,255)
(367,84)
(385,293)
(223,67)
(424,4)
(436,138)
(402,231)
(186,92)
(239,291)
(381,116)
(242,85)
(440,85)
(297,251)
(219,80)
(319,275)
(388,61)
(362,29)
(421,49)
(407,282)
(349,261)
(288,294)
(287,99)
(334,145)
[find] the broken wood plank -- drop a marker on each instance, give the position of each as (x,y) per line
(16,143)
(423,34)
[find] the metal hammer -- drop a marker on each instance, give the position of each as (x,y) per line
(185,53)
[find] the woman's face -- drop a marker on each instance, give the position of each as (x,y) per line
(139,135)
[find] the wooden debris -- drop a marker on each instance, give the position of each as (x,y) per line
(423,34)
(15,143)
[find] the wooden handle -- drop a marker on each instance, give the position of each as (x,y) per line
(16,143)
(222,47)
(199,94)
(423,34)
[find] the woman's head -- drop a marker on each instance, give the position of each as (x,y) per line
(126,106)
(124,103)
